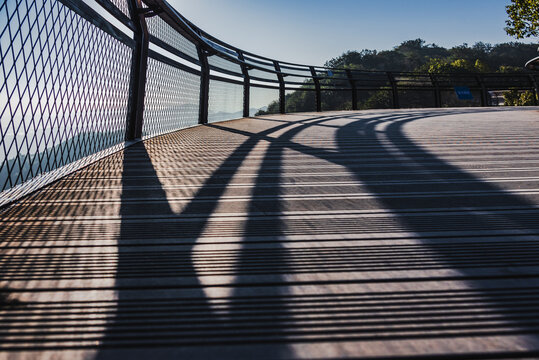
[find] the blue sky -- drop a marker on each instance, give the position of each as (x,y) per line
(313,31)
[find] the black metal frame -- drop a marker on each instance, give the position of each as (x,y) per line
(200,53)
(138,71)
(533,64)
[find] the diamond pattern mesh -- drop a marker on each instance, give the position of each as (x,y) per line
(164,32)
(225,101)
(172,99)
(224,64)
(64,89)
(122,5)
(255,73)
(296,71)
(416,99)
(300,101)
(336,100)
(296,82)
(264,100)
(262,64)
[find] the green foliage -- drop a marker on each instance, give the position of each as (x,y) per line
(436,66)
(527,98)
(523,18)
(300,101)
(444,66)
(481,66)
(273,108)
(518,98)
(416,56)
(379,100)
(511,69)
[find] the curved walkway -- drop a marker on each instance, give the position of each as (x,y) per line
(350,234)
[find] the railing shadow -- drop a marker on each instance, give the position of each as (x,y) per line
(172,306)
(153,311)
(7,302)
(486,252)
(497,235)
(143,315)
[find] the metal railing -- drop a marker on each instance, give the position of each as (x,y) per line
(83,79)
(533,64)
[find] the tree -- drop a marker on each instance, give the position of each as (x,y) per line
(413,56)
(444,66)
(517,98)
(523,18)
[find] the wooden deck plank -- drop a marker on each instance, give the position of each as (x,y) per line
(371,234)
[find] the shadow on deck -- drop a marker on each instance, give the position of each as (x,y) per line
(354,234)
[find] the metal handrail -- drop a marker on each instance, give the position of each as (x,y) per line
(284,70)
(104,101)
(533,64)
(198,36)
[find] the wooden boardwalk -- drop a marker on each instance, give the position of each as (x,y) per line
(331,235)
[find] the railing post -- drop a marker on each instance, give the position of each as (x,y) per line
(354,88)
(394,90)
(437,92)
(246,86)
(139,67)
(535,84)
(282,90)
(318,97)
(204,86)
(484,92)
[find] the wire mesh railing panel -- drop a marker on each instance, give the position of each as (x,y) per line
(262,64)
(370,80)
(300,101)
(450,99)
(447,80)
(158,28)
(71,90)
(331,84)
(413,80)
(376,99)
(225,101)
(336,100)
(417,99)
(121,5)
(65,89)
(222,64)
(507,82)
(172,99)
(262,75)
(299,81)
(263,101)
(296,71)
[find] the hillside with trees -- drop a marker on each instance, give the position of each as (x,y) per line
(419,57)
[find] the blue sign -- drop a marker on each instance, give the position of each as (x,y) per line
(463,93)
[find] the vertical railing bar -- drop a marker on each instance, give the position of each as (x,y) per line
(204,86)
(354,88)
(535,84)
(139,67)
(282,91)
(246,86)
(318,96)
(484,93)
(437,91)
(394,90)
